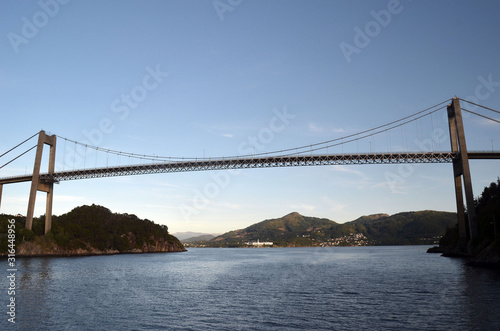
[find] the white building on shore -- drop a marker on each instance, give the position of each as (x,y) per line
(259,244)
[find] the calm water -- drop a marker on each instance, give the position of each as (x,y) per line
(391,288)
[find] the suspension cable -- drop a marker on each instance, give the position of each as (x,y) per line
(491,119)
(362,132)
(18,156)
(10,150)
(475,104)
(304,149)
(367,135)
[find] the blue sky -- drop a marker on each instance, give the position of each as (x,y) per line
(204,78)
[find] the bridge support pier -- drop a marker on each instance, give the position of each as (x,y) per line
(461,171)
(37,185)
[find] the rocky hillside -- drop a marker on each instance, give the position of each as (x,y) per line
(89,230)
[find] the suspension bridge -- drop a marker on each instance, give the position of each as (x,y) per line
(308,155)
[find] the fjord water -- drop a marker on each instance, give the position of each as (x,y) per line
(352,288)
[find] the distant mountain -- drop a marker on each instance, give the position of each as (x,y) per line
(203,237)
(423,227)
(369,219)
(188,235)
(290,230)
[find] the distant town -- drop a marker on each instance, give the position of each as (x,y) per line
(354,239)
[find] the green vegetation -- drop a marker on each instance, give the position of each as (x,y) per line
(488,213)
(488,220)
(411,228)
(92,227)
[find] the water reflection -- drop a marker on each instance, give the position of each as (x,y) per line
(35,279)
(481,294)
(278,289)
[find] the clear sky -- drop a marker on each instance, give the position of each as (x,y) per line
(195,78)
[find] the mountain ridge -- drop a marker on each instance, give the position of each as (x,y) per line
(294,229)
(187,235)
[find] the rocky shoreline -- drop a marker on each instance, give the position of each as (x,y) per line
(40,248)
(86,231)
(484,258)
(483,250)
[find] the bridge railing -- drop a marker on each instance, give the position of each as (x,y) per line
(252,162)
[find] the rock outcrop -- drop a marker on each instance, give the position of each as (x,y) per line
(41,247)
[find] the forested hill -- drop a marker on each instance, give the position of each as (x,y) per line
(409,228)
(90,230)
(485,248)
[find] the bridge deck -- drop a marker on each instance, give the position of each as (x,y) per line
(247,163)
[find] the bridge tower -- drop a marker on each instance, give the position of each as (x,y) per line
(461,172)
(44,186)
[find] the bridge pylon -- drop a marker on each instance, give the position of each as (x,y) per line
(44,186)
(461,172)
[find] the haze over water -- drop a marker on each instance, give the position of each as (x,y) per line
(388,288)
